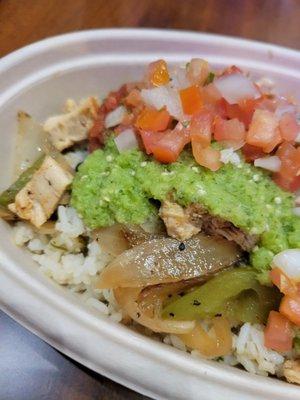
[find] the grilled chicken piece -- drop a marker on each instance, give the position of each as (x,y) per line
(291,371)
(37,200)
(177,221)
(73,126)
(183,223)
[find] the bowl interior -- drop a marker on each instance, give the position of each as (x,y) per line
(39,80)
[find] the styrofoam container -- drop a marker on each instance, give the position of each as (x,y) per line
(38,79)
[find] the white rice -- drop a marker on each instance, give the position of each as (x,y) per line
(69,222)
(62,257)
(250,351)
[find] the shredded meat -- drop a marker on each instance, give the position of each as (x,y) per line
(184,223)
(213,225)
(177,221)
(291,371)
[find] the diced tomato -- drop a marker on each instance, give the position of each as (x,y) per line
(290,161)
(244,110)
(169,147)
(191,100)
(153,120)
(290,308)
(231,129)
(134,98)
(291,185)
(158,74)
(113,99)
(266,103)
(127,120)
(251,153)
(97,133)
(295,184)
(263,131)
(150,139)
(278,333)
(233,111)
(283,282)
(233,69)
(201,127)
(289,127)
(210,94)
(247,108)
(206,156)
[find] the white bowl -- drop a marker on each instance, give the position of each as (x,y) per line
(38,79)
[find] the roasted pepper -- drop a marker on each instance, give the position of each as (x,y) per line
(234,293)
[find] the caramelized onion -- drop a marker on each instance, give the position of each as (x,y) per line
(111,239)
(211,343)
(6,214)
(166,260)
(136,235)
(32,142)
(128,300)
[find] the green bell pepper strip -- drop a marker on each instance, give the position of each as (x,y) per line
(8,196)
(234,293)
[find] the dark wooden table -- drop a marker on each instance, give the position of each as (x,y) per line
(29,368)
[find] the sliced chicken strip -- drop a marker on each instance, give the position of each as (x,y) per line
(38,199)
(73,126)
(177,221)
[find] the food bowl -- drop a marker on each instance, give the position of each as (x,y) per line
(38,79)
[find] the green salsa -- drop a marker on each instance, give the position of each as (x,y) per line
(120,187)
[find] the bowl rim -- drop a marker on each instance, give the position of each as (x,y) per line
(202,368)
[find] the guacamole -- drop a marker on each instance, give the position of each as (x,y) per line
(112,187)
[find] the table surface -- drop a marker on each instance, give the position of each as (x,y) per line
(29,368)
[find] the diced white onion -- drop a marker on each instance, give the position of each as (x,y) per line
(296,211)
(297,140)
(126,140)
(283,109)
(164,96)
(289,262)
(29,143)
(115,117)
(179,79)
(236,87)
(266,84)
(297,200)
(272,163)
(230,156)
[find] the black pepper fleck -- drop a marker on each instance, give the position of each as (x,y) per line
(181,246)
(196,303)
(235,330)
(138,315)
(171,314)
(77,166)
(218,315)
